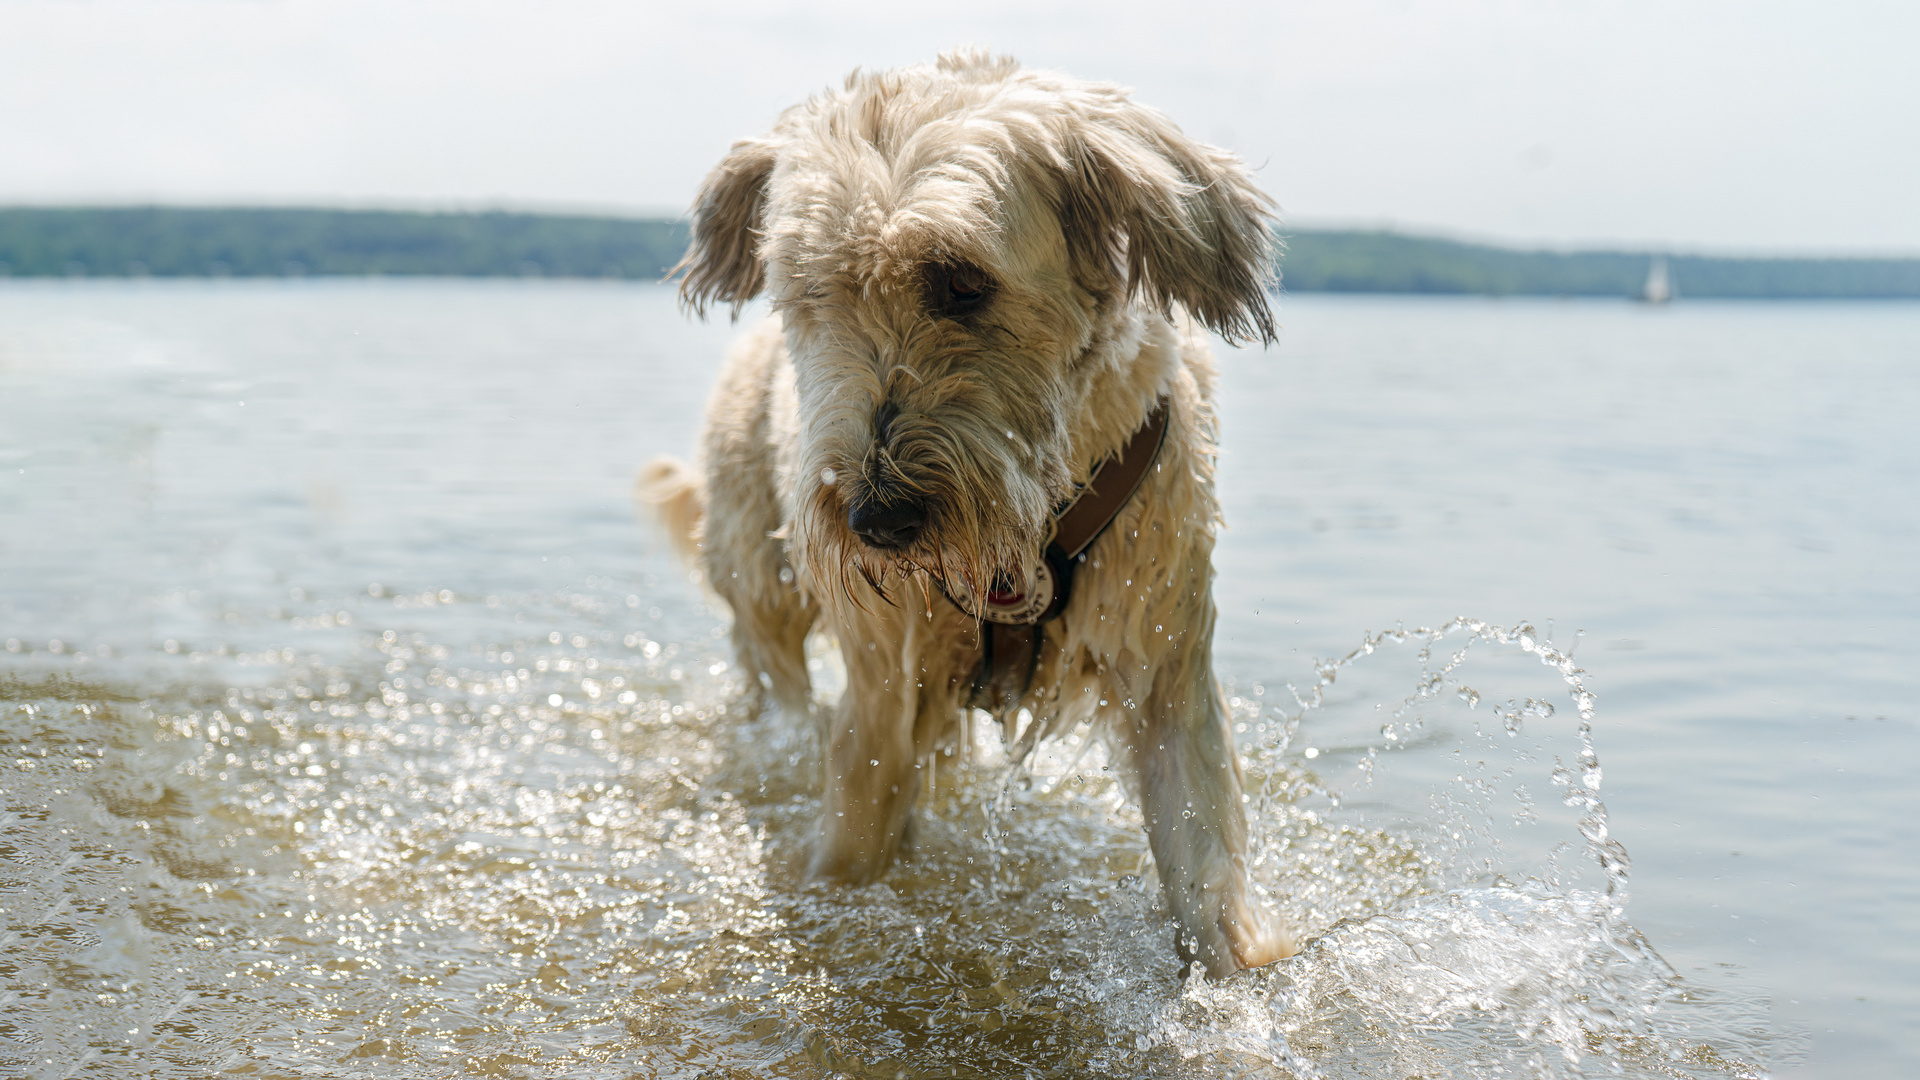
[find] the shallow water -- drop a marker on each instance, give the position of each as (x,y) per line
(356,727)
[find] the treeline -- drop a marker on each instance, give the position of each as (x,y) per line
(1392,262)
(254,242)
(166,241)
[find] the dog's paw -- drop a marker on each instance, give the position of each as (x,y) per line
(1242,937)
(1259,948)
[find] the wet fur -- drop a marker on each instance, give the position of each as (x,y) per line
(1113,242)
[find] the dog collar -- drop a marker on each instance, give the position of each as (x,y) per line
(1010,618)
(1073,529)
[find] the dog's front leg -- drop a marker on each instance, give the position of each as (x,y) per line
(871,779)
(1190,794)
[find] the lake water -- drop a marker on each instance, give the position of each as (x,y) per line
(355,726)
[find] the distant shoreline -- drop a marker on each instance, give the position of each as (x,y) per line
(58,242)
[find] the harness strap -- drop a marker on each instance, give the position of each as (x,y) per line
(1009,656)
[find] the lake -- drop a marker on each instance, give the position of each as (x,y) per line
(356,725)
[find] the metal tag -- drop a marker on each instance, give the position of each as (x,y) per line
(1006,602)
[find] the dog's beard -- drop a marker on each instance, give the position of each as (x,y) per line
(839,566)
(987,520)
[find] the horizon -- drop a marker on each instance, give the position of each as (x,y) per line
(1684,126)
(1285,227)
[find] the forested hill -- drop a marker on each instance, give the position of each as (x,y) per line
(256,242)
(182,241)
(1392,262)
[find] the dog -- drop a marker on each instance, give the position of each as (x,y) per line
(975,443)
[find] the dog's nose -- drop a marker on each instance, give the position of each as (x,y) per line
(887,525)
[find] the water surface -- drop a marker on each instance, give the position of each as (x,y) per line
(356,727)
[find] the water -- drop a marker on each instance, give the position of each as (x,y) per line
(356,727)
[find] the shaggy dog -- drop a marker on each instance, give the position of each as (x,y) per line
(990,291)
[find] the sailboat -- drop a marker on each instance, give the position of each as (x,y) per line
(1659,287)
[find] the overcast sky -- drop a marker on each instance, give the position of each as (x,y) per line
(1748,126)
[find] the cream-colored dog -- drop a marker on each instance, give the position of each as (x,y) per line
(987,284)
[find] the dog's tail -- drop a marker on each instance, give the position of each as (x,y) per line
(670,490)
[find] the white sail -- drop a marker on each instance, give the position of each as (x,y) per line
(1658,289)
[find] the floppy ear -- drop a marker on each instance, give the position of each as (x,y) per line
(1184,218)
(722,260)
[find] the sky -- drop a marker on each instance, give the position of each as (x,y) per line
(1751,127)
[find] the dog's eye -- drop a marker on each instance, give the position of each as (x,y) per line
(954,290)
(967,284)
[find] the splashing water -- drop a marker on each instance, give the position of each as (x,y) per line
(400,855)
(1418,970)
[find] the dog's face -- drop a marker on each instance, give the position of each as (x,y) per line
(947,247)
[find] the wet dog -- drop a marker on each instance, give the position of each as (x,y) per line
(975,443)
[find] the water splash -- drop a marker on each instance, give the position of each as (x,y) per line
(1419,967)
(1580,784)
(560,853)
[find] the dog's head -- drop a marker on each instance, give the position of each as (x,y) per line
(953,250)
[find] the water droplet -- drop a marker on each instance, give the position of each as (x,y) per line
(827,477)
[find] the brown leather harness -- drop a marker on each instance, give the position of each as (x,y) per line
(1010,619)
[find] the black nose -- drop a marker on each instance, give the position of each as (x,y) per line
(887,525)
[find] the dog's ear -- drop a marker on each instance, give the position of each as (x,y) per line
(1185,220)
(723,259)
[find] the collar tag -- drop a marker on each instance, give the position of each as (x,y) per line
(1011,603)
